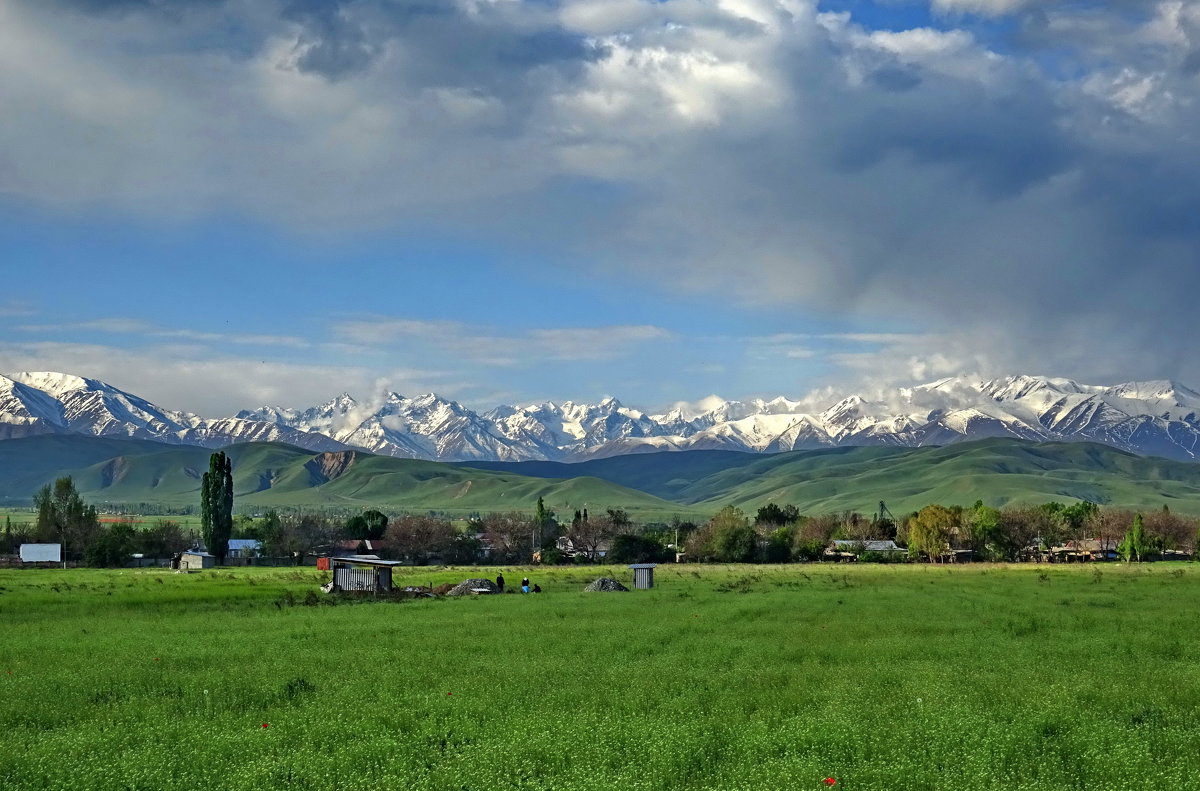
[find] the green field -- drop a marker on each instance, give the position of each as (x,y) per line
(887,678)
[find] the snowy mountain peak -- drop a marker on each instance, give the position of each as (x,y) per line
(1151,417)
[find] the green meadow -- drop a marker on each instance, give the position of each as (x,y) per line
(735,677)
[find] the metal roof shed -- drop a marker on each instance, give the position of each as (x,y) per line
(643,575)
(196,560)
(362,573)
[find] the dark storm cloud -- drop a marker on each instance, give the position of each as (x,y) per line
(1043,195)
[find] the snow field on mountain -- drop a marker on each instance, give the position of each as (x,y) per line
(1152,418)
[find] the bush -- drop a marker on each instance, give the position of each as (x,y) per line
(111,547)
(808,549)
(630,548)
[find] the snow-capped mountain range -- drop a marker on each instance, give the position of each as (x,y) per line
(1160,418)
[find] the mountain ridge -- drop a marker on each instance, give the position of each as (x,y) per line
(1154,417)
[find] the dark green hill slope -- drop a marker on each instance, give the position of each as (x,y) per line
(998,471)
(121,471)
(650,486)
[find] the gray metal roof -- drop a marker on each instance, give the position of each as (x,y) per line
(643,566)
(244,543)
(869,546)
(368,561)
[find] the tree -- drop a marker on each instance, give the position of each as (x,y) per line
(63,516)
(112,546)
(930,531)
(727,538)
(162,540)
(1134,544)
(1171,531)
(772,514)
(631,548)
(588,535)
(778,546)
(545,526)
(369,525)
(619,518)
(507,536)
(986,534)
(416,538)
(216,505)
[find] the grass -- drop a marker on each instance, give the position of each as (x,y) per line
(740,677)
(651,487)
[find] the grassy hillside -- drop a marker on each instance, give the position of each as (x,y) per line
(662,474)
(998,471)
(650,486)
(272,474)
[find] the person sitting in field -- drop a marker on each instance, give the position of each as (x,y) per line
(537,588)
(525,585)
(500,582)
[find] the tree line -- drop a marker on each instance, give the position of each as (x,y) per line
(773,534)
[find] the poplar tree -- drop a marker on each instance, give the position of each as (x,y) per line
(1134,544)
(216,505)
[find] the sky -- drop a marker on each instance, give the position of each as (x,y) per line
(219,204)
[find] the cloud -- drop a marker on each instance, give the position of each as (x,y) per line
(15,309)
(117,325)
(212,385)
(1027,201)
(497,347)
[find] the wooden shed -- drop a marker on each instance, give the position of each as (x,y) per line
(643,575)
(362,574)
(195,559)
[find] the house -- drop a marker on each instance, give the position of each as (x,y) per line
(848,551)
(357,546)
(41,553)
(196,559)
(1084,550)
(244,548)
(571,549)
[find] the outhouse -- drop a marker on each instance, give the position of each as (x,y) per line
(194,559)
(362,574)
(643,575)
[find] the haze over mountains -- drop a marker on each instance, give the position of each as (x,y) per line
(1159,418)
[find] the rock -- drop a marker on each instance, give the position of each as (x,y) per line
(471,586)
(605,585)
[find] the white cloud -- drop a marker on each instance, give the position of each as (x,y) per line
(178,378)
(759,153)
(117,325)
(498,347)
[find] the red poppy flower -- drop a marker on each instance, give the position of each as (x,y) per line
(449,693)
(264,724)
(829,781)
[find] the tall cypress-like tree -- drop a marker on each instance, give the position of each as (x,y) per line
(216,505)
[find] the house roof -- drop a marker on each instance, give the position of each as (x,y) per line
(198,553)
(363,560)
(245,543)
(869,546)
(643,565)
